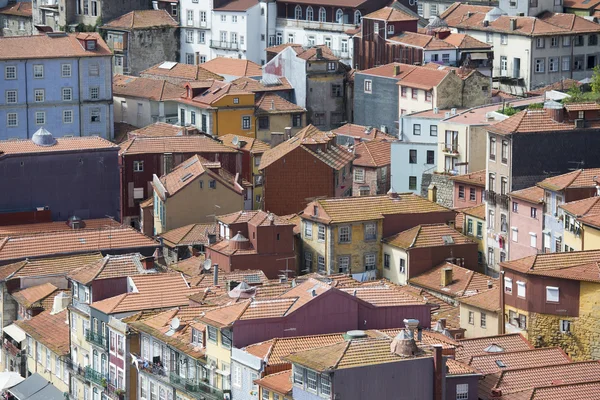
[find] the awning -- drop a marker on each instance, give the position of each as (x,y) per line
(221,372)
(36,388)
(15,332)
(479,56)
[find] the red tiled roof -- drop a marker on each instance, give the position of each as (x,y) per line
(252,145)
(146,88)
(373,154)
(181,71)
(362,133)
(424,78)
(232,66)
(237,5)
(421,40)
(563,85)
(310,54)
(586,106)
(56,226)
(487,363)
(388,70)
(173,144)
(280,47)
(474,178)
(580,208)
(532,194)
(529,121)
(159,129)
(111,266)
(53,45)
(427,236)
(34,295)
(39,267)
(477,211)
(581,178)
(253,218)
(468,348)
(69,144)
(280,382)
(464,42)
(579,391)
(18,9)
(270,103)
(486,299)
(577,265)
(390,14)
(592,220)
(258,86)
(142,19)
(49,329)
(189,235)
(464,281)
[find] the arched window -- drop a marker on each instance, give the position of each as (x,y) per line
(298,12)
(322,15)
(339,16)
(103,366)
(95,360)
(357,17)
(309,14)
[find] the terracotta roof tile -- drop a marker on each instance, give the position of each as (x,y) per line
(589,106)
(74,144)
(268,308)
(280,382)
(182,71)
(33,295)
(259,86)
(384,296)
(260,350)
(581,208)
(158,129)
(528,121)
(174,144)
(46,266)
(474,178)
(581,178)
(253,218)
(464,42)
(280,47)
(424,78)
(372,154)
(283,347)
(532,194)
(578,265)
(581,4)
(427,236)
(388,70)
(579,391)
(390,14)
(226,315)
(232,66)
(142,19)
(205,280)
(333,3)
(146,88)
(487,363)
(73,242)
(271,103)
(421,40)
(362,133)
(367,208)
(19,9)
(562,86)
(459,368)
(464,281)
(50,330)
(477,211)
(310,54)
(189,235)
(592,220)
(111,266)
(488,299)
(56,226)
(53,45)
(252,145)
(472,347)
(237,5)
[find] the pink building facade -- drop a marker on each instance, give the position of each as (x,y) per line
(468,189)
(526,222)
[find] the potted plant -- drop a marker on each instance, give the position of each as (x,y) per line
(104,384)
(120,393)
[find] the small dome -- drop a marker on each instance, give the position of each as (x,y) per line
(436,22)
(494,14)
(43,138)
(239,238)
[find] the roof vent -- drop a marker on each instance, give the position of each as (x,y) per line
(242,291)
(493,348)
(43,138)
(351,335)
(404,345)
(447,240)
(500,364)
(75,222)
(61,301)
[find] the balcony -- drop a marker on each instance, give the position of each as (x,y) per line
(156,369)
(11,348)
(315,25)
(81,306)
(96,338)
(490,197)
(74,367)
(197,24)
(95,376)
(450,149)
(114,393)
(219,44)
(503,200)
(195,386)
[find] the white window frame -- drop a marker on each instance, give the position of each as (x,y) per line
(368,86)
(65,70)
(38,71)
(12,117)
(40,117)
(10,72)
(94,93)
(533,240)
(345,234)
(307,230)
(508,285)
(359,175)
(67,94)
(552,294)
(462,391)
(9,93)
(320,232)
(521,289)
(39,94)
(67,116)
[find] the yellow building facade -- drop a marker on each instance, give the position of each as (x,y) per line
(218,355)
(591,237)
(234,113)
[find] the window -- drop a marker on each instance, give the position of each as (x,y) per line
(298,12)
(420,9)
(492,182)
(578,63)
(331,66)
(567,41)
(357,17)
(68,116)
(234,19)
(564,326)
(472,194)
(491,257)
(336,90)
(11,96)
(370,231)
(507,285)
(309,13)
(192,117)
(533,212)
(321,232)
(553,64)
(415,93)
(433,130)
(359,175)
(226,339)
(533,240)
(212,184)
(514,234)
(433,10)
(480,229)
(6,24)
(320,263)
(94,70)
(489,37)
(234,37)
(138,166)
(412,156)
(540,65)
(311,380)
(95,115)
(94,93)
(38,71)
(189,58)
(40,117)
(445,58)
(65,70)
(417,129)
(520,289)
(504,38)
(593,40)
(386,261)
(461,192)
(212,334)
(311,41)
(10,72)
(189,36)
(492,151)
(428,96)
(370,262)
(483,321)
(39,95)
(470,227)
(11,120)
(246,122)
(319,119)
(263,122)
(67,94)
(339,16)
(297,120)
(552,294)
(430,157)
(462,391)
(503,185)
(344,234)
(308,260)
(223,18)
(566,63)
(578,40)
(390,29)
(298,375)
(308,229)
(412,183)
(540,42)
(471,318)
(266,395)
(402,266)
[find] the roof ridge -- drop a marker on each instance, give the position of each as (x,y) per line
(416,236)
(468,283)
(347,346)
(492,355)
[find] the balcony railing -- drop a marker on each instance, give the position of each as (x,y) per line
(450,148)
(194,386)
(74,367)
(11,348)
(503,200)
(114,393)
(96,338)
(156,369)
(95,376)
(490,197)
(315,25)
(219,44)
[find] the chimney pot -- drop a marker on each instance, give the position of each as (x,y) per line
(513,24)
(446,276)
(490,284)
(396,70)
(216,274)
(148,263)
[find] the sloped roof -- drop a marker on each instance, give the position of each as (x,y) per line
(270,103)
(390,14)
(528,121)
(563,85)
(252,145)
(254,218)
(421,40)
(189,235)
(427,236)
(111,266)
(310,54)
(579,391)
(577,265)
(47,266)
(473,178)
(372,154)
(464,42)
(486,299)
(142,19)
(487,363)
(51,45)
(232,66)
(465,282)
(215,92)
(532,194)
(424,78)
(182,71)
(280,382)
(388,70)
(52,330)
(581,178)
(158,129)
(69,144)
(580,208)
(18,9)
(55,226)
(477,211)
(237,5)
(173,144)
(362,133)
(468,348)
(34,295)
(259,85)
(145,88)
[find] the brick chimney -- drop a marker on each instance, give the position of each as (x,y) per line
(148,263)
(439,372)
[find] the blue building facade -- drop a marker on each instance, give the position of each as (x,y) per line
(376,100)
(416,151)
(65,90)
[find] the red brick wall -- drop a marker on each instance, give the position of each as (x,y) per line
(293,179)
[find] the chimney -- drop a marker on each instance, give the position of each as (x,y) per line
(393,195)
(288,132)
(216,275)
(439,374)
(319,53)
(490,284)
(446,276)
(554,110)
(277,138)
(513,24)
(432,193)
(496,393)
(155,5)
(486,23)
(404,345)
(396,70)
(212,238)
(148,263)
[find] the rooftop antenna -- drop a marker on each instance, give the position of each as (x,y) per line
(286,271)
(173,326)
(207,265)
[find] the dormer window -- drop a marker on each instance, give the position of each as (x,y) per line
(390,29)
(90,45)
(316,211)
(197,337)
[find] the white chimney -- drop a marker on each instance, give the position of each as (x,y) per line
(155,5)
(61,301)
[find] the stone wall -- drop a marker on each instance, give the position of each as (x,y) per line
(474,93)
(149,47)
(544,331)
(445,188)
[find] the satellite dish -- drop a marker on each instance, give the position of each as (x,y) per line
(207,265)
(235,141)
(175,323)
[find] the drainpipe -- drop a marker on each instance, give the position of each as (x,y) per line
(26,103)
(80,95)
